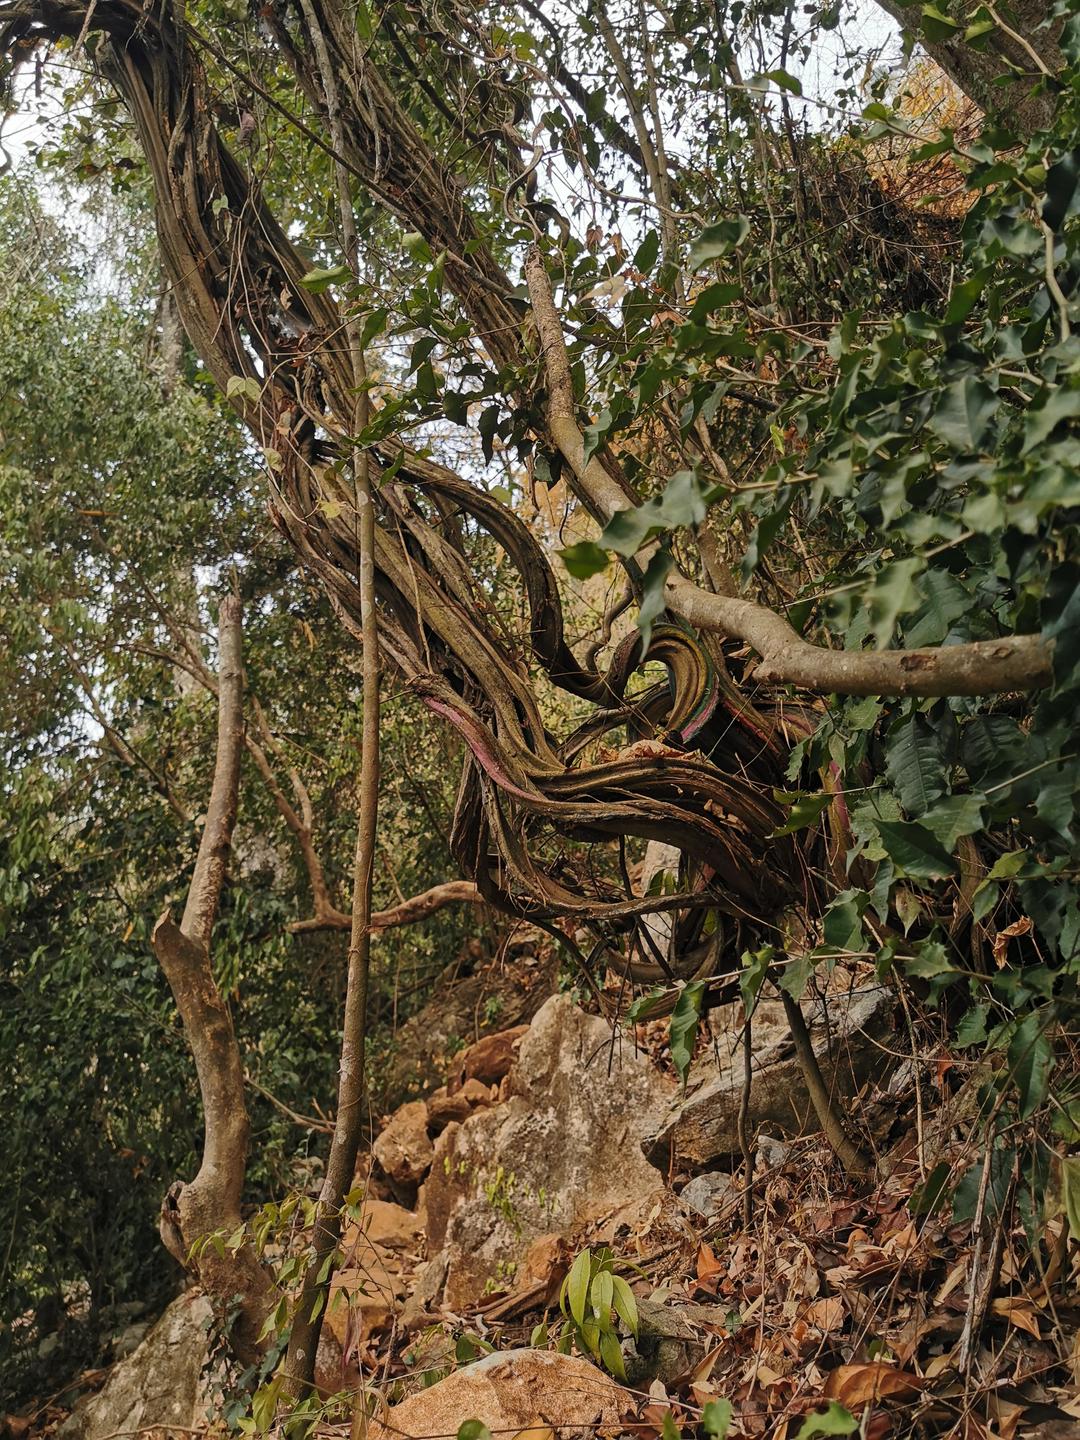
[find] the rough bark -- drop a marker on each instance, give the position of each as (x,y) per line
(1009,75)
(210,1203)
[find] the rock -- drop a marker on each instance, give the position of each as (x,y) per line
(403,1149)
(702,1126)
(129,1339)
(508,1392)
(706,1195)
(510,993)
(667,1344)
(487,1061)
(771,1153)
(370,1287)
(444,1109)
(159,1385)
(564,1149)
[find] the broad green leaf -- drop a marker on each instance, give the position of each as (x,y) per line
(584,559)
(318,280)
(965,413)
(915,764)
(473,1430)
(683,502)
(929,1197)
(915,850)
(931,962)
(718,240)
(1031,1058)
(625,1303)
(653,594)
(684,1025)
(1070,1193)
(646,253)
(611,1354)
(893,593)
(601,1293)
(577,1286)
(937,25)
(755,967)
(806,810)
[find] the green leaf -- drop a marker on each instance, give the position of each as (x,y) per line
(965,413)
(936,25)
(927,1198)
(915,850)
(1070,1193)
(964,295)
(417,248)
(931,962)
(577,1286)
(716,1419)
(244,385)
(584,559)
(915,764)
(893,594)
(611,1354)
(1062,198)
(668,1429)
(755,967)
(653,595)
(473,1430)
(806,810)
(316,281)
(718,240)
(833,1421)
(625,1304)
(1031,1059)
(646,253)
(601,1294)
(713,297)
(684,1024)
(683,502)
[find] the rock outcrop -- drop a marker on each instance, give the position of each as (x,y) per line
(701,1126)
(158,1385)
(562,1150)
(510,1391)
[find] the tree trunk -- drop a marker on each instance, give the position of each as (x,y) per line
(211,1202)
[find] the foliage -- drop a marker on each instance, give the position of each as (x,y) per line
(595,1301)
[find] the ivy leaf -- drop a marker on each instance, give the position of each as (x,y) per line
(915,850)
(936,25)
(683,502)
(713,297)
(963,418)
(893,594)
(1061,190)
(584,559)
(755,967)
(684,1024)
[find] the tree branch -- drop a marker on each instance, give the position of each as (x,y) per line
(984,667)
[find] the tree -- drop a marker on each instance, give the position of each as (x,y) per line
(921,455)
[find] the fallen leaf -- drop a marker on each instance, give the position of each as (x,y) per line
(1018,1311)
(828,1314)
(856,1385)
(537,1431)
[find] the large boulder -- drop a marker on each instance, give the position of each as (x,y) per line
(511,1391)
(702,1126)
(563,1150)
(159,1385)
(403,1149)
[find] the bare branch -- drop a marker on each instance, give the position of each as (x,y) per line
(415,908)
